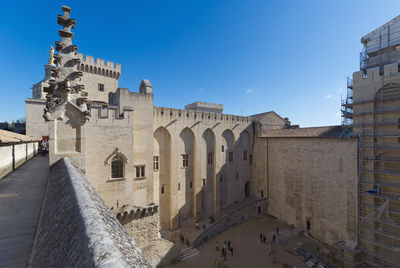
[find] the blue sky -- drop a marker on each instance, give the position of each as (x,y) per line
(252,56)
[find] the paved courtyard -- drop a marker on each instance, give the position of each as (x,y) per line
(248,251)
(21,194)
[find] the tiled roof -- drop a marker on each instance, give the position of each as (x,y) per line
(324,132)
(12,137)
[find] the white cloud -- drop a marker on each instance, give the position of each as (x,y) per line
(337,114)
(249,91)
(328,96)
(200,90)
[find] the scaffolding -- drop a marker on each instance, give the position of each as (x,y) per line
(377,123)
(347,105)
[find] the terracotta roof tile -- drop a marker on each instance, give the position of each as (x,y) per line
(12,137)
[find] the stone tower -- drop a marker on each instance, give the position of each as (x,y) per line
(66,102)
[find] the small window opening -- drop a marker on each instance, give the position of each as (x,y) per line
(230,157)
(245,155)
(220,179)
(191,184)
(185,160)
(381,70)
(179,186)
(210,158)
(251,159)
(162,189)
(101,87)
(204,182)
(222,148)
(156,163)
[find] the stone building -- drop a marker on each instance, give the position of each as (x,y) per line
(374,106)
(190,162)
(197,161)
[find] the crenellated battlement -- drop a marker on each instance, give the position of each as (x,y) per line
(377,74)
(98,66)
(193,115)
(111,113)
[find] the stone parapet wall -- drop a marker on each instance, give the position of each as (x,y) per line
(14,155)
(145,232)
(76,229)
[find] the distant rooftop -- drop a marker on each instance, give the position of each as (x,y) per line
(12,137)
(308,132)
(205,107)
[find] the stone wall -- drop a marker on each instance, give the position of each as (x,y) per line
(310,180)
(35,124)
(217,170)
(14,155)
(76,229)
(145,232)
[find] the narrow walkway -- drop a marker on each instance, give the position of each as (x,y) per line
(21,194)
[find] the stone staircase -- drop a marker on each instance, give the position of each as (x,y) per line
(187,253)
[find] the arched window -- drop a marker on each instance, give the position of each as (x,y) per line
(117,169)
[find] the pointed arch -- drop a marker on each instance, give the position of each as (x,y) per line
(208,158)
(186,159)
(162,177)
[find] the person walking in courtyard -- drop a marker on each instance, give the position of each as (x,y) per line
(197,225)
(277,231)
(261,238)
(231,249)
(264,239)
(229,244)
(273,238)
(217,247)
(224,255)
(223,252)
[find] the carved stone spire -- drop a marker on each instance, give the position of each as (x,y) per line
(64,83)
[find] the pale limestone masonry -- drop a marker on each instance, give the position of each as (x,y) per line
(76,229)
(145,232)
(194,162)
(309,177)
(15,149)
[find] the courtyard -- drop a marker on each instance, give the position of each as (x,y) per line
(247,249)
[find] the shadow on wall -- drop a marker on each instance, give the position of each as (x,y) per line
(231,184)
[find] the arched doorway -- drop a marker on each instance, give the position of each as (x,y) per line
(247,189)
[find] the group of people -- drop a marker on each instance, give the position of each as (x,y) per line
(227,246)
(44,147)
(263,238)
